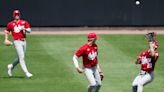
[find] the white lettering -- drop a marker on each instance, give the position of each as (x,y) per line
(18,28)
(92,55)
(147,61)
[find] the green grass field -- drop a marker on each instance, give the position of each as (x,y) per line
(49,58)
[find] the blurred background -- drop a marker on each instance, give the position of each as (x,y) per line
(70,13)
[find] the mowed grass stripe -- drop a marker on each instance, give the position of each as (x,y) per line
(60,54)
(115,62)
(49,58)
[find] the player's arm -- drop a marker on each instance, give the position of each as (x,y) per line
(156,56)
(138,61)
(100,72)
(75,61)
(28,30)
(27,27)
(151,44)
(99,69)
(6,41)
(152,51)
(6,35)
(78,53)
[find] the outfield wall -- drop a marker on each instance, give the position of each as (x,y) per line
(85,12)
(97,30)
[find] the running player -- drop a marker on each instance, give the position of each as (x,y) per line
(18,28)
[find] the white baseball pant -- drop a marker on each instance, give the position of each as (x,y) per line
(142,79)
(20,47)
(93,77)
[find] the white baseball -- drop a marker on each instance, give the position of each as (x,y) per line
(137,2)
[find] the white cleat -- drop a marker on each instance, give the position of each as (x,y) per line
(10,66)
(29,75)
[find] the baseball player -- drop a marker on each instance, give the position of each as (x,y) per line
(18,28)
(91,68)
(147,59)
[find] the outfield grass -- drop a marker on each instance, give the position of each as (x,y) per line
(49,58)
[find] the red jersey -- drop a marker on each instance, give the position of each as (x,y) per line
(16,29)
(147,61)
(89,55)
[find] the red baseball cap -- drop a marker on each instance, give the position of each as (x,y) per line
(16,13)
(92,35)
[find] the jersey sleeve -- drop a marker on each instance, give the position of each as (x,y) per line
(8,28)
(27,25)
(80,52)
(142,53)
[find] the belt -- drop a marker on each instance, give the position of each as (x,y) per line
(90,66)
(142,72)
(20,39)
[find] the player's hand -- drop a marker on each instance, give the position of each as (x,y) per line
(8,43)
(80,70)
(101,75)
(138,61)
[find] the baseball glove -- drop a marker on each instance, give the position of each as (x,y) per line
(150,36)
(101,75)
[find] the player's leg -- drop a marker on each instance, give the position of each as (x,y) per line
(28,74)
(134,88)
(147,78)
(91,89)
(149,81)
(21,55)
(135,83)
(24,47)
(12,66)
(98,80)
(92,82)
(15,62)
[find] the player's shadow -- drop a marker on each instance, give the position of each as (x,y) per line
(14,77)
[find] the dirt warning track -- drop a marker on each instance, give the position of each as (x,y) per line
(98,30)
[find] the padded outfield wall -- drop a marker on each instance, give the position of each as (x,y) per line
(85,12)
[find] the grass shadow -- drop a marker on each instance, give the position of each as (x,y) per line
(13,77)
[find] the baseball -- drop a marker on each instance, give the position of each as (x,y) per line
(137,2)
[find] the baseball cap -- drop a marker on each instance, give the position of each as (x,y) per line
(92,35)
(16,13)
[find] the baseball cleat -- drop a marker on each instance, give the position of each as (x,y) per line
(29,75)
(10,66)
